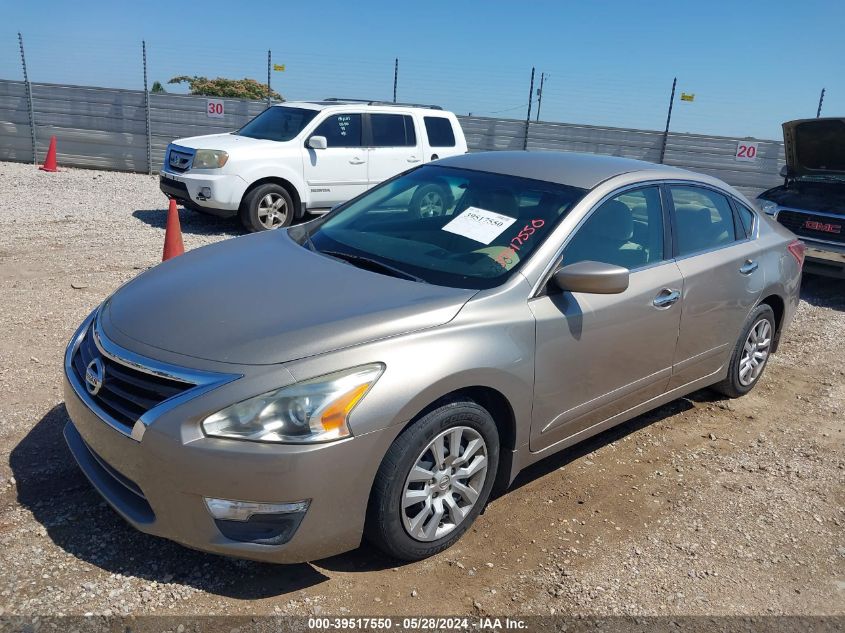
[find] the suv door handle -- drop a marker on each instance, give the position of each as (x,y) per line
(748,267)
(666,297)
(356,161)
(413,159)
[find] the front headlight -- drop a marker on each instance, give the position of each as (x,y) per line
(767,206)
(209,159)
(314,410)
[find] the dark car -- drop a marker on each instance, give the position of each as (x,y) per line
(811,201)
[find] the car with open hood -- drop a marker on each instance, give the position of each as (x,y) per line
(376,372)
(811,201)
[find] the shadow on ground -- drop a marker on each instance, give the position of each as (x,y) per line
(192,222)
(824,292)
(52,487)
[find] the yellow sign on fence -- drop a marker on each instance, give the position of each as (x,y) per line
(279,67)
(687,97)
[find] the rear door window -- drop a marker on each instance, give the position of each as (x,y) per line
(439,131)
(341,130)
(745,220)
(392,130)
(703,219)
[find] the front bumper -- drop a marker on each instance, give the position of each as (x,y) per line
(823,258)
(223,196)
(159,484)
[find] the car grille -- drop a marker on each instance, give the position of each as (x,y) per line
(820,227)
(178,160)
(126,393)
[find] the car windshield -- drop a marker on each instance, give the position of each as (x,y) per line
(278,123)
(445,226)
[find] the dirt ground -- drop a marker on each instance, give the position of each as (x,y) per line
(704,506)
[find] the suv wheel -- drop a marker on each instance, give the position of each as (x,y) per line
(429,201)
(750,354)
(267,207)
(434,481)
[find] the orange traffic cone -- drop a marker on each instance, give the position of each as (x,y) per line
(50,161)
(172,233)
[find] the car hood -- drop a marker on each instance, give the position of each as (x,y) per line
(226,142)
(827,197)
(263,299)
(815,146)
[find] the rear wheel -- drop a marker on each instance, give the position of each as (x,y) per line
(429,201)
(751,353)
(267,207)
(434,481)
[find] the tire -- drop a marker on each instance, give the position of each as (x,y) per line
(429,201)
(756,339)
(267,207)
(397,530)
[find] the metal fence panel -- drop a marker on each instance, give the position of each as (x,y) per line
(105,128)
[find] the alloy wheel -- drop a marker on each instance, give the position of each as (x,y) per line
(272,211)
(755,352)
(444,483)
(431,205)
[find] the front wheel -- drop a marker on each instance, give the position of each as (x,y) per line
(267,207)
(751,353)
(434,481)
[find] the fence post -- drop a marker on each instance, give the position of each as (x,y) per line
(668,118)
(821,100)
(528,116)
(30,107)
(395,77)
(147,110)
(269,64)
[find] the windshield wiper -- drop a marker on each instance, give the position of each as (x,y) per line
(373,265)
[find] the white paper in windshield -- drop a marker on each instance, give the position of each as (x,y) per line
(479,224)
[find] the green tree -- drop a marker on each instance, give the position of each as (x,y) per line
(222,87)
(157,88)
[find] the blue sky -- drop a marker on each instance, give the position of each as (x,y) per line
(751,65)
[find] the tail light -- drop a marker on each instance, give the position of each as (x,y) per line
(797,248)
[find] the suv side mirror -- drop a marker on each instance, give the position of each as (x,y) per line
(592,277)
(318,142)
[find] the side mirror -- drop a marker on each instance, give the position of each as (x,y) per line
(784,171)
(592,277)
(318,142)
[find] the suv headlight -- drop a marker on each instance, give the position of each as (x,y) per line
(315,410)
(209,159)
(767,206)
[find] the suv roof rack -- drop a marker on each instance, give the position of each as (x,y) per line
(382,103)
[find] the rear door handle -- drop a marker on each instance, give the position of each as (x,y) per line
(413,159)
(666,297)
(356,161)
(748,267)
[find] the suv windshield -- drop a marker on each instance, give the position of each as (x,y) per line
(445,226)
(278,123)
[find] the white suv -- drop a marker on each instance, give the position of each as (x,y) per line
(309,156)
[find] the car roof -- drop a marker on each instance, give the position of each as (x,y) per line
(363,105)
(565,168)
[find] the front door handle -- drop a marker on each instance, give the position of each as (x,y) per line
(748,267)
(356,161)
(413,159)
(666,297)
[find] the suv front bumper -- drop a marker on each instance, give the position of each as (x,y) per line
(219,194)
(823,258)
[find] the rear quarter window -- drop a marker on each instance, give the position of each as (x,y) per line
(439,131)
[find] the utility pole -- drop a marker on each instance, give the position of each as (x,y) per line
(147,109)
(668,118)
(528,116)
(540,95)
(395,77)
(821,99)
(30,108)
(269,68)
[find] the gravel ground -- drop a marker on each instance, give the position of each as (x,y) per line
(704,506)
